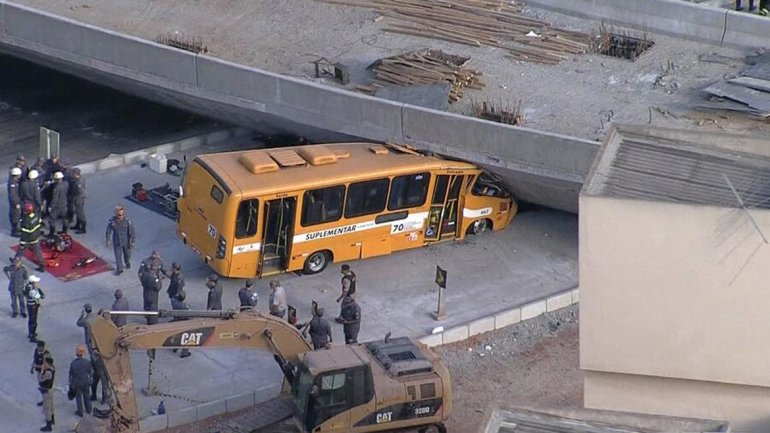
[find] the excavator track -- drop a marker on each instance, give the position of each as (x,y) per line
(260,416)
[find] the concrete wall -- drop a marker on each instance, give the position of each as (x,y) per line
(675,293)
(674,17)
(543,168)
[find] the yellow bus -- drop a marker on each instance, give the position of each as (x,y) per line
(260,212)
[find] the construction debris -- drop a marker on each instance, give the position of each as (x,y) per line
(622,43)
(747,94)
(496,23)
(424,67)
(510,113)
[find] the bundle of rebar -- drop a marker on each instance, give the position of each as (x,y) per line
(425,67)
(496,23)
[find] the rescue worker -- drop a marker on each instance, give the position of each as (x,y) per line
(21,164)
(17,275)
(277,299)
(30,190)
(178,303)
(57,205)
(320,330)
(45,385)
(154,260)
(76,201)
(120,231)
(176,281)
(120,304)
(248,297)
(80,378)
(33,293)
(151,285)
(214,299)
(31,228)
(52,165)
(14,200)
(350,319)
(84,321)
(348,284)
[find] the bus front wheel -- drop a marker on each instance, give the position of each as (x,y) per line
(480,226)
(316,262)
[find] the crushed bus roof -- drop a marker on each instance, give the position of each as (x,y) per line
(265,171)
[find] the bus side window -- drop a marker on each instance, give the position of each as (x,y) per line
(246,219)
(322,205)
(366,198)
(408,191)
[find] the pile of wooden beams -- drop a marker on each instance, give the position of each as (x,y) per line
(426,67)
(496,23)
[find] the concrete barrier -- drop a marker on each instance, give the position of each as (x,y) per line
(742,29)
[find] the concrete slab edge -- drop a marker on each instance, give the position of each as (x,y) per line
(504,318)
(202,411)
(139,156)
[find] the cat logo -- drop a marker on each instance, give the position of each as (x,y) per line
(384,417)
(191,339)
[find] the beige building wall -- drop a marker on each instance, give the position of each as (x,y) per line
(675,310)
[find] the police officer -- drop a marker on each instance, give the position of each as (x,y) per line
(176,281)
(76,201)
(38,356)
(45,385)
(33,293)
(214,300)
(80,378)
(350,319)
(248,297)
(320,330)
(348,283)
(151,285)
(14,200)
(21,164)
(17,278)
(178,303)
(120,304)
(120,231)
(30,190)
(31,228)
(153,261)
(57,206)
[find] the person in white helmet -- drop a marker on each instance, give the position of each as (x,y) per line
(34,294)
(57,206)
(30,190)
(14,200)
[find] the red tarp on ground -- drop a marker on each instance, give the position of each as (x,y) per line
(62,264)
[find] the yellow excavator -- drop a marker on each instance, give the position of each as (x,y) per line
(391,384)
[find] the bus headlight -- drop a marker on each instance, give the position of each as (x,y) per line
(221,247)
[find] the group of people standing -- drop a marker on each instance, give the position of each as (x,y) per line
(49,191)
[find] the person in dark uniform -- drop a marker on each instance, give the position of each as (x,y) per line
(34,294)
(45,385)
(153,261)
(17,278)
(247,297)
(120,304)
(178,303)
(80,377)
(14,200)
(320,330)
(214,301)
(57,205)
(176,281)
(21,164)
(38,356)
(348,284)
(30,190)
(151,280)
(120,231)
(31,228)
(350,319)
(76,201)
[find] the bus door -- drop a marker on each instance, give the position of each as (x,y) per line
(443,214)
(277,234)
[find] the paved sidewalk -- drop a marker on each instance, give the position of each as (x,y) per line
(535,257)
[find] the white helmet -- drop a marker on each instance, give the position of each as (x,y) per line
(15,171)
(58,175)
(33,279)
(32,175)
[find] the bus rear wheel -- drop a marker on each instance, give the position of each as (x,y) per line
(480,226)
(316,262)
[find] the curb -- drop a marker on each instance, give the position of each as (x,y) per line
(205,410)
(504,318)
(139,156)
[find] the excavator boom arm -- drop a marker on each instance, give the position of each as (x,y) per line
(239,330)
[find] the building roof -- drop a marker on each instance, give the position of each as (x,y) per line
(666,165)
(268,170)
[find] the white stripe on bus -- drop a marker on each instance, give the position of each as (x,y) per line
(475,213)
(413,222)
(247,248)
